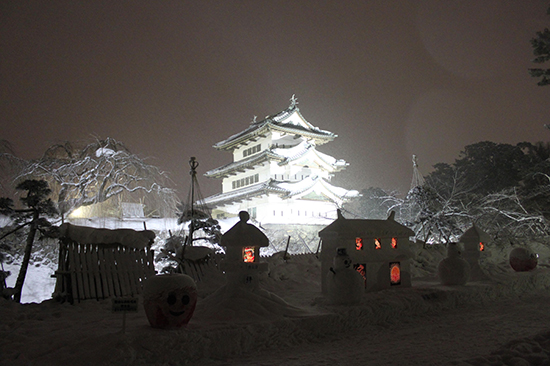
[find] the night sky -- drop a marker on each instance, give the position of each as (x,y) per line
(171,78)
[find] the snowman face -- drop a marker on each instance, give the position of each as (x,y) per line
(342,261)
(172,308)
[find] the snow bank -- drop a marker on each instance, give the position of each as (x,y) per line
(231,322)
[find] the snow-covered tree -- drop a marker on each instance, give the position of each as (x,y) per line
(34,216)
(98,171)
(541,50)
(10,167)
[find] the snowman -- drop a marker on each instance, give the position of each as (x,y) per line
(453,270)
(344,284)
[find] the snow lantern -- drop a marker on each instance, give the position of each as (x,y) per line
(523,259)
(169,300)
(242,252)
(474,241)
(345,285)
(453,270)
(378,249)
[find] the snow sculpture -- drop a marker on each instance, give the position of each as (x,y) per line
(379,250)
(523,259)
(90,235)
(344,284)
(453,270)
(475,243)
(242,253)
(169,300)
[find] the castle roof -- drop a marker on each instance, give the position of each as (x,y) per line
(312,187)
(283,156)
(289,121)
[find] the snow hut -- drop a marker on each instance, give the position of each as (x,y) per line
(379,250)
(242,252)
(475,243)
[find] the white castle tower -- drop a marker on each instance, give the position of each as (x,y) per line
(277,174)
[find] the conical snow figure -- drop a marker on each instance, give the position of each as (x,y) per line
(453,270)
(344,284)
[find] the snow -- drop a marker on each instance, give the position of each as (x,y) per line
(287,321)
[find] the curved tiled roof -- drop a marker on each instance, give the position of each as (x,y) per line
(277,122)
(282,155)
(283,189)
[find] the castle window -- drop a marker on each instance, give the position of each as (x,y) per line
(246,181)
(377,244)
(252,212)
(251,150)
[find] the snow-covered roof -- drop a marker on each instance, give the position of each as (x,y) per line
(475,233)
(283,156)
(289,120)
(284,189)
(367,228)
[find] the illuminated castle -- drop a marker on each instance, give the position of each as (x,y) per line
(277,174)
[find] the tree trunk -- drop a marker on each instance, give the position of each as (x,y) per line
(26,258)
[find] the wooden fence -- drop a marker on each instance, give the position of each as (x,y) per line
(98,271)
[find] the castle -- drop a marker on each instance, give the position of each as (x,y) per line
(277,173)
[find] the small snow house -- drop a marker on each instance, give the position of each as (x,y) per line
(242,252)
(379,250)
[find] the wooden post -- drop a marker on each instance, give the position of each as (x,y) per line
(286,256)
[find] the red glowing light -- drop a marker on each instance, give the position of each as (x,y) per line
(358,243)
(377,244)
(248,254)
(395,273)
(394,242)
(481,247)
(361,268)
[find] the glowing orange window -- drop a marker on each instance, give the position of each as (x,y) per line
(395,273)
(481,247)
(248,254)
(358,243)
(377,244)
(394,242)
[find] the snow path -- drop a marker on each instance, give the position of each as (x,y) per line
(433,339)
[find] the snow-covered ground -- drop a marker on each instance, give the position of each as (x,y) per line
(497,322)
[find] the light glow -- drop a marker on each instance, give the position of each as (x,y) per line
(481,247)
(248,254)
(395,273)
(377,244)
(358,243)
(394,242)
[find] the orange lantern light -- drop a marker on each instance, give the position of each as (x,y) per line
(358,243)
(394,242)
(377,244)
(395,273)
(248,254)
(481,247)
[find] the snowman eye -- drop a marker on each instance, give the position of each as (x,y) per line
(171,298)
(185,299)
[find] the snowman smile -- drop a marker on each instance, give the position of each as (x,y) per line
(177,313)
